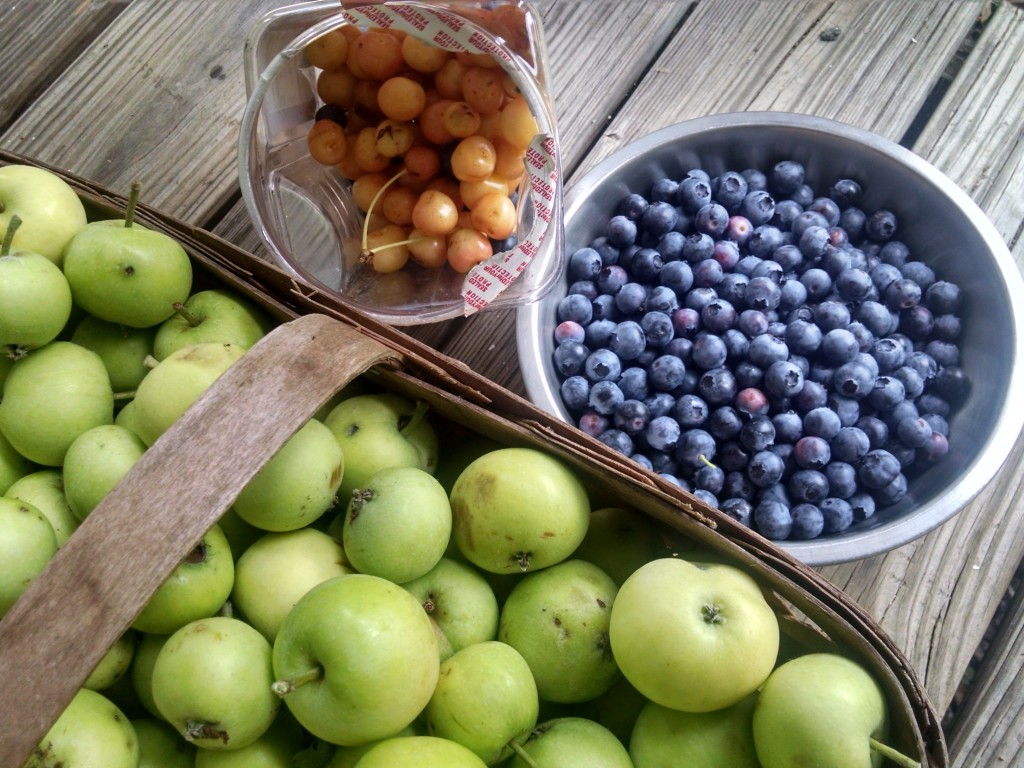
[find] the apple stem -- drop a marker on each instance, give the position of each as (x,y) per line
(284,687)
(373,202)
(190,318)
(133,200)
(124,395)
(12,227)
(150,362)
(522,753)
(415,418)
(891,754)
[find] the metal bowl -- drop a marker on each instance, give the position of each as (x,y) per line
(937,220)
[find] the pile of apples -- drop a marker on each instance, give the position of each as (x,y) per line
(389,590)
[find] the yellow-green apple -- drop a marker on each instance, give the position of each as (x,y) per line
(692,636)
(97,461)
(826,710)
(276,748)
(348,757)
(50,209)
(397,524)
(91,732)
(458,599)
(518,509)
(44,489)
(176,382)
(558,619)
(12,464)
(570,742)
(616,709)
(214,314)
(123,349)
(125,273)
(147,648)
(27,543)
(457,453)
(196,589)
(160,746)
(277,569)
(297,485)
(35,298)
(664,738)
(115,662)
(356,659)
(421,751)
(619,540)
(381,430)
(50,397)
(240,534)
(485,698)
(211,681)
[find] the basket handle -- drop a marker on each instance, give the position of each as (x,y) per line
(96,584)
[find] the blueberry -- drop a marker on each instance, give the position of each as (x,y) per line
(666,373)
(602,365)
(724,423)
(608,252)
(817,282)
(763,294)
(730,189)
(853,379)
(849,444)
(718,315)
(586,288)
(952,384)
(584,264)
(605,307)
(881,226)
(813,242)
(575,392)
(695,447)
(755,179)
(886,393)
(709,351)
(913,384)
(631,416)
(877,468)
(807,485)
(593,423)
(863,506)
(733,288)
(630,298)
(943,297)
(822,422)
(657,328)
(767,349)
(813,395)
(895,252)
(569,330)
(894,491)
(670,245)
(946,327)
(611,279)
(837,514)
(685,321)
(786,177)
(752,402)
(748,375)
(664,190)
(598,333)
(682,348)
(846,408)
(808,522)
(693,194)
(698,297)
(621,231)
(698,246)
(712,219)
(853,284)
(726,253)
(924,364)
(662,433)
(569,357)
(739,229)
(842,479)
(931,403)
(773,519)
(632,206)
(709,478)
(575,307)
(642,460)
(811,452)
(786,210)
(783,379)
(717,386)
(943,353)
(765,468)
(827,207)
(829,315)
(938,446)
(659,403)
(738,509)
(707,273)
(902,293)
(876,317)
(733,457)
(617,440)
(676,275)
(839,346)
(852,220)
(736,344)
(605,397)
(758,206)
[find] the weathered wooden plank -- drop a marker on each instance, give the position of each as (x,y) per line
(182,144)
(39,40)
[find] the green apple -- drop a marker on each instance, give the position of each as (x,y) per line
(50,209)
(397,525)
(211,681)
(571,742)
(419,752)
(91,732)
(147,648)
(558,619)
(616,709)
(160,746)
(12,464)
(196,589)
(123,349)
(276,748)
(216,314)
(485,698)
(665,738)
(619,540)
(356,659)
(114,664)
(278,569)
(240,534)
(692,636)
(35,298)
(297,485)
(825,710)
(518,509)
(27,543)
(176,382)
(381,430)
(50,397)
(348,757)
(44,489)
(458,599)
(127,274)
(97,461)
(125,417)
(458,452)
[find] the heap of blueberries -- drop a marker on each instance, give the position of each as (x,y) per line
(779,353)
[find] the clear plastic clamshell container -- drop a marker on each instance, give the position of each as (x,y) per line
(304,210)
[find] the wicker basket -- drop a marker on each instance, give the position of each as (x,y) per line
(98,581)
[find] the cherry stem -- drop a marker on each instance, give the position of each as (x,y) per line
(191,319)
(133,200)
(12,227)
(704,460)
(284,687)
(891,754)
(373,202)
(522,753)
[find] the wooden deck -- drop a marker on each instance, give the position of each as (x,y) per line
(153,90)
